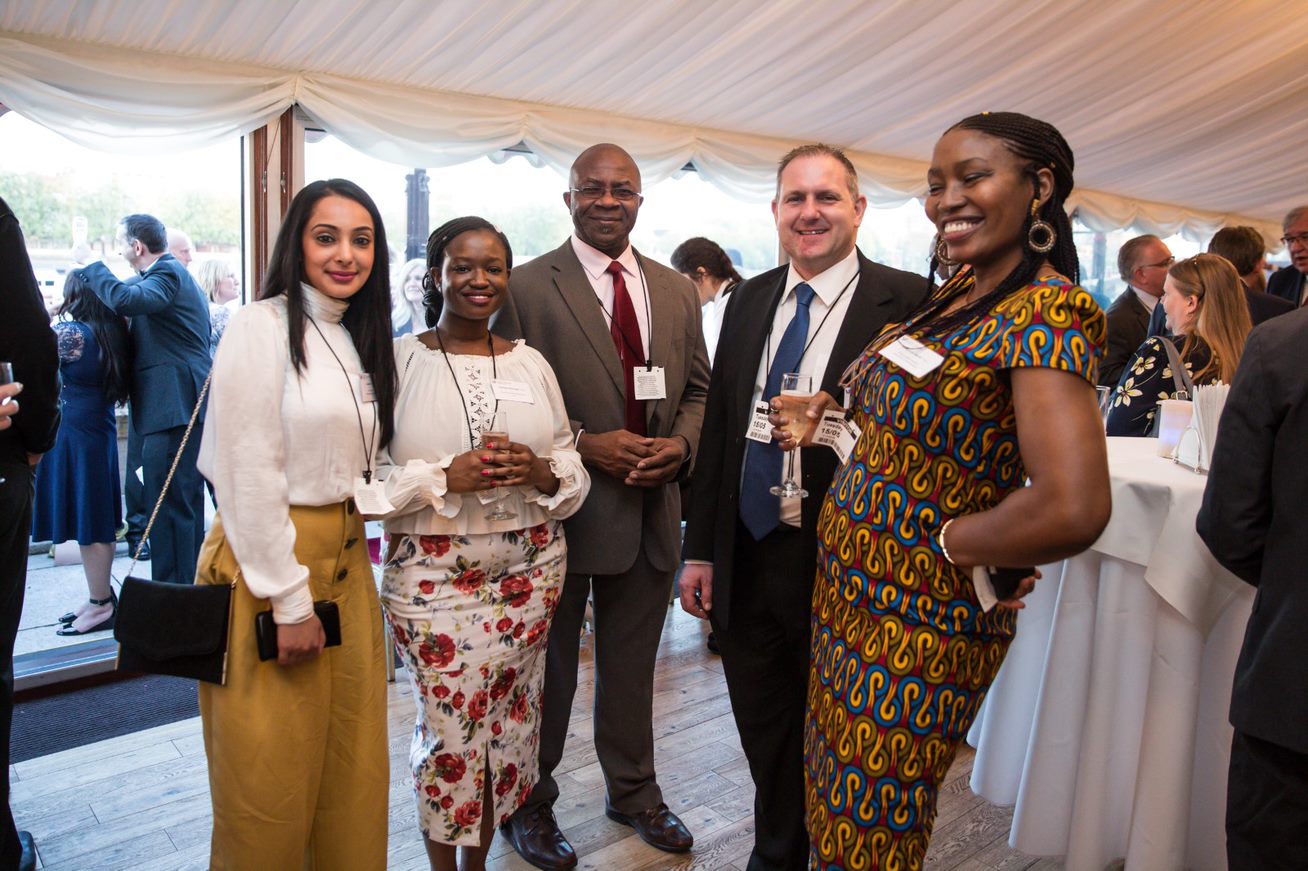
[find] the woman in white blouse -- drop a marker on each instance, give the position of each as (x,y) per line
(468,591)
(303,395)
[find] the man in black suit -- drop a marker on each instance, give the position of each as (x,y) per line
(26,432)
(750,556)
(169,323)
(1253,521)
(1142,263)
(1291,283)
(1245,249)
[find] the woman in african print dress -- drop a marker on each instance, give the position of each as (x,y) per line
(989,383)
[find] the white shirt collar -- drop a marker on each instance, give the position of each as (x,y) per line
(829,283)
(596,262)
(1148,300)
(321,307)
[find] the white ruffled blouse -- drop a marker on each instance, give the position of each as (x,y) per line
(431,429)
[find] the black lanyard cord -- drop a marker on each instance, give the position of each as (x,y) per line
(649,317)
(463,402)
(768,348)
(367,448)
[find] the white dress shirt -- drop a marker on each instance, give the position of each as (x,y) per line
(431,429)
(595,264)
(274,438)
(1148,300)
(711,317)
(833,289)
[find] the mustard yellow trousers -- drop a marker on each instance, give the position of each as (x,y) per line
(298,769)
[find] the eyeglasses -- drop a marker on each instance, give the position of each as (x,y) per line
(1301,238)
(1162,264)
(595,192)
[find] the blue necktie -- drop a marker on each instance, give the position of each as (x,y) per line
(759,509)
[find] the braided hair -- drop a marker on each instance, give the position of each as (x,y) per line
(1043,147)
(437,242)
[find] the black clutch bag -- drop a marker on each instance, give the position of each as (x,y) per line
(265,630)
(176,629)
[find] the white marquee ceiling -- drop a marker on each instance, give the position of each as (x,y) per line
(1201,105)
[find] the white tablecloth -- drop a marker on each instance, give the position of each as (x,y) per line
(1106,726)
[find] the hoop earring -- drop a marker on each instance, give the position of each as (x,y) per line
(942,253)
(1041,237)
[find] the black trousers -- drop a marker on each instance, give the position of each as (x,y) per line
(133,488)
(15,530)
(765,651)
(1266,806)
(629,612)
(179,527)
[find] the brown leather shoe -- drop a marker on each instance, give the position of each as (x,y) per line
(535,834)
(658,827)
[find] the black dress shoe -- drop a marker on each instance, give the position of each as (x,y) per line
(658,827)
(712,644)
(535,835)
(131,549)
(27,862)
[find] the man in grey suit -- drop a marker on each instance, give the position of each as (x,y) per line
(623,334)
(1143,263)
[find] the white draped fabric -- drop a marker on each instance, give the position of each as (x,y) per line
(1182,118)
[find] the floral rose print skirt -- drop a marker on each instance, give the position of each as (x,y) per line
(470,615)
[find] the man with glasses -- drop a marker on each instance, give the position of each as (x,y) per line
(1292,282)
(624,337)
(1142,263)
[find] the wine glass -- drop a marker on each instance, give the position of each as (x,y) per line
(6,377)
(796,394)
(497,434)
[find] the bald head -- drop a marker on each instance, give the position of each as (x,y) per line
(604,197)
(179,245)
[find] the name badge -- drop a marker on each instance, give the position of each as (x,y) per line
(650,383)
(371,499)
(366,391)
(912,356)
(759,429)
(837,432)
(512,391)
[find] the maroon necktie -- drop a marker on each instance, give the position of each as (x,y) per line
(626,339)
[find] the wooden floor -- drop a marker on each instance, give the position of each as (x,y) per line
(141,801)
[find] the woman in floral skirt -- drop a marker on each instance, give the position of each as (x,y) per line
(472,580)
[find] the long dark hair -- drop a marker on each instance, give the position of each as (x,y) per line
(110,332)
(368,317)
(1043,147)
(698,252)
(437,242)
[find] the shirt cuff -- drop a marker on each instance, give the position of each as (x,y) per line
(294,607)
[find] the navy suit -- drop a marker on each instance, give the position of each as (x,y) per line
(169,323)
(1287,283)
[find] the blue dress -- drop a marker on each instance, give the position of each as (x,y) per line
(77,488)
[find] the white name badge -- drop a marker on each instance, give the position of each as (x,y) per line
(371,499)
(759,429)
(650,383)
(837,433)
(512,391)
(366,391)
(912,356)
(985,591)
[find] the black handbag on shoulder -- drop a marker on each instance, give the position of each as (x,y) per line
(174,629)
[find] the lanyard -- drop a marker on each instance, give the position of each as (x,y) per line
(767,352)
(649,318)
(463,402)
(367,448)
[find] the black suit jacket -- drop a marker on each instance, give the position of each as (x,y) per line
(1253,521)
(1262,307)
(1128,325)
(1287,283)
(27,341)
(169,322)
(883,295)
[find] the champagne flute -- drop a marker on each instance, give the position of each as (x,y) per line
(498,435)
(796,394)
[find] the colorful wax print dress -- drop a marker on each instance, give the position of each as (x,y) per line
(902,654)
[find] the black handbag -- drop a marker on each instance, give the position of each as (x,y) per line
(174,629)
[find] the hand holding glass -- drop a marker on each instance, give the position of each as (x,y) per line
(796,394)
(497,435)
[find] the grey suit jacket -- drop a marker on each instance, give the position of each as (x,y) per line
(552,305)
(1128,326)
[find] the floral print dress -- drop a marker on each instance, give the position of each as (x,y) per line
(1147,381)
(471,614)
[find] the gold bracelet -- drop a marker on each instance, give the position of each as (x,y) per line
(940,540)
